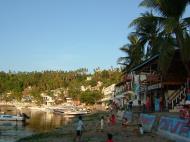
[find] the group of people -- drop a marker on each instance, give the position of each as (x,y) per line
(80,127)
(157,104)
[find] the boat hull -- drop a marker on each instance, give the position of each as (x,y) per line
(6,117)
(75,112)
(69,112)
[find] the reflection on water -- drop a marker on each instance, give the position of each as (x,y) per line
(45,121)
(39,121)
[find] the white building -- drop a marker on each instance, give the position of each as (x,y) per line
(89,78)
(120,94)
(48,100)
(108,92)
(69,100)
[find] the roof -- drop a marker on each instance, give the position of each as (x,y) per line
(120,83)
(144,63)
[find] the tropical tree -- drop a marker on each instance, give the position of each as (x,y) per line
(171,27)
(170,15)
(148,31)
(134,53)
(90,97)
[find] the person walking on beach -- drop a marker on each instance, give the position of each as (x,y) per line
(148,104)
(161,104)
(130,105)
(80,127)
(102,124)
(109,138)
(108,120)
(113,119)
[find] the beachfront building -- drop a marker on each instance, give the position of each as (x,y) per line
(48,100)
(88,78)
(120,94)
(108,93)
(69,100)
(162,90)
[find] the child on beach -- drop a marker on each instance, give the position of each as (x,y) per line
(109,138)
(124,121)
(108,120)
(80,127)
(112,119)
(102,124)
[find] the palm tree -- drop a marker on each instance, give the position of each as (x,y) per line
(171,26)
(149,33)
(134,51)
(171,12)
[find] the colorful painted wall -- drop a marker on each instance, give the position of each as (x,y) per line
(175,128)
(147,121)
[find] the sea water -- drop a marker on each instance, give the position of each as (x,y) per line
(40,121)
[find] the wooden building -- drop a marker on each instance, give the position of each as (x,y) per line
(169,87)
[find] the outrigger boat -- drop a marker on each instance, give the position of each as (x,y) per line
(8,117)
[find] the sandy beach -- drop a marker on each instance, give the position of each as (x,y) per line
(92,132)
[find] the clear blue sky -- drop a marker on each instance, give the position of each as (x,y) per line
(38,35)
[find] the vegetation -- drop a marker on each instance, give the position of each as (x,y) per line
(90,97)
(134,51)
(160,30)
(16,85)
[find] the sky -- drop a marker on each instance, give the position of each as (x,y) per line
(38,35)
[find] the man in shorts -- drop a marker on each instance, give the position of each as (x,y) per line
(80,127)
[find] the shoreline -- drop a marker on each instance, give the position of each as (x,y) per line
(31,106)
(92,132)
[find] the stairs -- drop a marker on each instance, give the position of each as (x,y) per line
(176,98)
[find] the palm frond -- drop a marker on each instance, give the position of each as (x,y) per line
(142,19)
(123,60)
(125,48)
(167,8)
(148,21)
(148,3)
(170,24)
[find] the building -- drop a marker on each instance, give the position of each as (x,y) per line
(120,93)
(48,100)
(169,87)
(108,93)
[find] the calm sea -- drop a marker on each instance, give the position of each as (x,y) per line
(39,121)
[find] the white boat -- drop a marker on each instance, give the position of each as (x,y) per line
(8,117)
(69,111)
(75,112)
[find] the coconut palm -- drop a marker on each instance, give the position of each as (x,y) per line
(134,51)
(149,33)
(168,20)
(171,12)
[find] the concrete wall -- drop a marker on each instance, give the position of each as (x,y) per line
(174,128)
(171,127)
(147,121)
